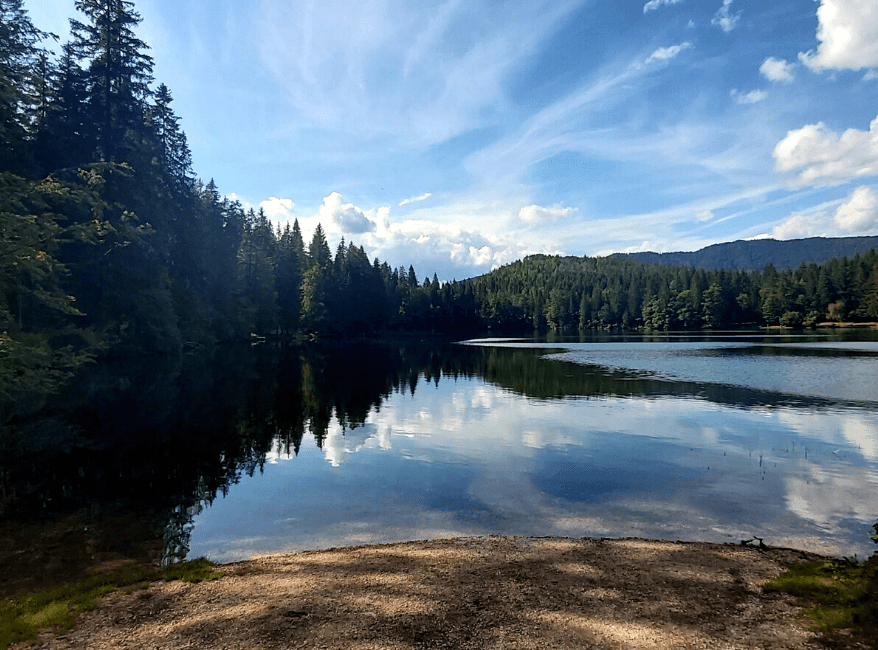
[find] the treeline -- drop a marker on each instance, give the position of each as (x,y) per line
(570,292)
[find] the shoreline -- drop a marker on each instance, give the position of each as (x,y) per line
(467,592)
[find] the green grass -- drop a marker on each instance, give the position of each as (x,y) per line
(840,594)
(23,617)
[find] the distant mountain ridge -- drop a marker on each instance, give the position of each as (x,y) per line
(755,255)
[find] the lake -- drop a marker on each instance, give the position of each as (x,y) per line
(716,438)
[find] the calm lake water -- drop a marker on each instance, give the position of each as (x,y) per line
(717,438)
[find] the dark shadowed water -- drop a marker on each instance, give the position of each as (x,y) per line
(238,451)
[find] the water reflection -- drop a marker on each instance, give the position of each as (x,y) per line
(257,450)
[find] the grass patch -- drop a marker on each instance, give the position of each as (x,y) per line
(23,617)
(840,594)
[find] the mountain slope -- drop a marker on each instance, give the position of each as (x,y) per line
(757,254)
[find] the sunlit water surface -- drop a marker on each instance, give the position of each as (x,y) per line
(716,440)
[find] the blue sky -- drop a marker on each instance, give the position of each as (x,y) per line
(460,136)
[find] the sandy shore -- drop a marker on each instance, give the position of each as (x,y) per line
(481,592)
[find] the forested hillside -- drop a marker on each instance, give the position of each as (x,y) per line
(572,292)
(111,244)
(755,255)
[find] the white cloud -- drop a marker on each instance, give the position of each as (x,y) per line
(655,4)
(667,53)
(777,70)
(415,199)
(848,35)
(752,97)
(277,209)
(347,218)
(396,72)
(724,19)
(855,214)
(859,214)
(798,226)
(233,197)
(823,157)
(538,214)
(704,216)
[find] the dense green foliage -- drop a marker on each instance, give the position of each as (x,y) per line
(569,292)
(110,245)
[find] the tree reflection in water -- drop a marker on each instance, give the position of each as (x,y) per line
(157,439)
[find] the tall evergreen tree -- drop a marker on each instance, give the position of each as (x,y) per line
(66,135)
(318,250)
(288,280)
(20,58)
(174,153)
(119,70)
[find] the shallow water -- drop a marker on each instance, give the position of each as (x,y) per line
(715,439)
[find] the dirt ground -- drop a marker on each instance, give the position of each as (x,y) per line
(482,592)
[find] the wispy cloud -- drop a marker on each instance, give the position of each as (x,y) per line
(379,69)
(704,216)
(415,199)
(726,20)
(564,125)
(652,5)
(753,97)
(667,53)
(538,214)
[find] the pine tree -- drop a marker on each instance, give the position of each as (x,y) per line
(288,280)
(318,251)
(20,59)
(119,71)
(174,153)
(66,136)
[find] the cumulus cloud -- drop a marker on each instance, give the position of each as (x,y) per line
(848,35)
(538,214)
(752,97)
(415,199)
(799,226)
(724,19)
(347,217)
(652,5)
(855,214)
(821,156)
(443,248)
(859,214)
(278,209)
(667,53)
(777,70)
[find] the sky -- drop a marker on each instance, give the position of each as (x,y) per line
(459,136)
